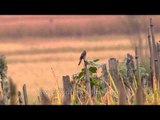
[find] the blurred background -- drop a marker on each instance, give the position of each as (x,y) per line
(33,44)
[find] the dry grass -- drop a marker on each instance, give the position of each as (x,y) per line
(44,43)
(35,69)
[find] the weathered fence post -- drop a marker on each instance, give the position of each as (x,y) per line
(154,53)
(39,100)
(145,81)
(155,81)
(67,90)
(88,84)
(25,94)
(113,68)
(151,58)
(157,72)
(44,98)
(4,80)
(105,74)
(139,94)
(158,57)
(1,99)
(105,77)
(20,100)
(130,70)
(93,90)
(13,90)
(158,51)
(153,38)
(122,96)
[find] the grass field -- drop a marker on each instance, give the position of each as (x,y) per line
(30,61)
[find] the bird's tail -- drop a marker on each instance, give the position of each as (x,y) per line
(79,62)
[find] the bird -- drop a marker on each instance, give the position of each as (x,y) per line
(129,58)
(82,57)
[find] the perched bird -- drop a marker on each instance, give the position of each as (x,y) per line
(129,59)
(82,57)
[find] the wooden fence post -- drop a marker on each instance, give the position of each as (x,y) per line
(1,99)
(4,80)
(93,91)
(44,98)
(13,90)
(139,94)
(67,90)
(151,58)
(153,38)
(105,77)
(130,70)
(157,72)
(105,74)
(25,94)
(145,82)
(20,100)
(158,51)
(39,100)
(122,96)
(88,84)
(113,68)
(158,57)
(154,53)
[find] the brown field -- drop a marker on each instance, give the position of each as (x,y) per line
(34,69)
(30,58)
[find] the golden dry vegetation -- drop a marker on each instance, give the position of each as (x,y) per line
(35,69)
